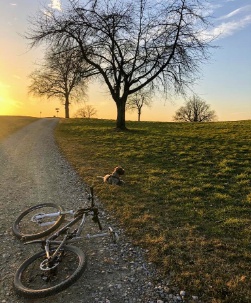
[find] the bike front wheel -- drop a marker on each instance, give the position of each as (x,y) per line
(38,221)
(39,278)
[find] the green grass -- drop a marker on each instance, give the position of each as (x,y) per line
(187,196)
(10,124)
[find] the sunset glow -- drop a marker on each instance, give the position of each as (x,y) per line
(6,103)
(224,82)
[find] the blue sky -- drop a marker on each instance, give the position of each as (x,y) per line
(224,82)
(226,79)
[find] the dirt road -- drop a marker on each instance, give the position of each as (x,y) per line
(33,171)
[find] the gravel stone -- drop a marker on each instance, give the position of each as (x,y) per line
(34,171)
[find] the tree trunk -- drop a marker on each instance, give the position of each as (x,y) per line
(120,124)
(66,106)
(139,114)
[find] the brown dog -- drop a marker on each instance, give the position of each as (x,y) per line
(114,177)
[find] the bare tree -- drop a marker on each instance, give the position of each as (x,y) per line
(61,76)
(88,111)
(138,100)
(131,44)
(195,110)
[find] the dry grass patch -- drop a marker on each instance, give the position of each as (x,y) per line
(10,124)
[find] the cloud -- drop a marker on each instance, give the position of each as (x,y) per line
(56,4)
(230,23)
(237,20)
(229,28)
(242,10)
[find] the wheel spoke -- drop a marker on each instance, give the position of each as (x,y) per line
(30,280)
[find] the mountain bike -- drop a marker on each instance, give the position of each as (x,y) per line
(58,265)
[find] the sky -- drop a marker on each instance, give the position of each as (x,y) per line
(224,81)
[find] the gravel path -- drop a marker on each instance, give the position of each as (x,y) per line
(33,171)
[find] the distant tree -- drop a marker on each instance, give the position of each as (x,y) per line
(132,44)
(195,110)
(62,75)
(88,111)
(138,100)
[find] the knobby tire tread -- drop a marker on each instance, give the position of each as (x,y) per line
(30,293)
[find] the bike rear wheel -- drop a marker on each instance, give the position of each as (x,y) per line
(28,227)
(32,281)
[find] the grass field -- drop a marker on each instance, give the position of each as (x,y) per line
(187,197)
(10,124)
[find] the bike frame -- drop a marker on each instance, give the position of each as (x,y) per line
(68,236)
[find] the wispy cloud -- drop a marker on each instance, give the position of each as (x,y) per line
(56,4)
(238,12)
(230,23)
(229,28)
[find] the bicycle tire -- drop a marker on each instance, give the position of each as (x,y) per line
(31,235)
(27,291)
